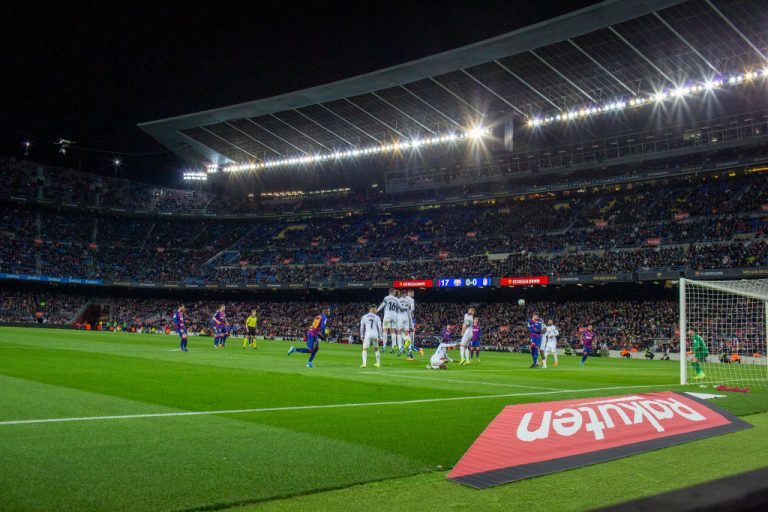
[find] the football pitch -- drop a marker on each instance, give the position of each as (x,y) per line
(115,421)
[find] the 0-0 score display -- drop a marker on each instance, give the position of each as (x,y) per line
(463,282)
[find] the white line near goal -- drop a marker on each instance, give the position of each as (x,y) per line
(312,407)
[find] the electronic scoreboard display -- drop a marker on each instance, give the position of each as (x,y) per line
(463,282)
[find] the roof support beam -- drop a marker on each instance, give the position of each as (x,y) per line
(455,95)
(642,56)
(254,139)
(685,41)
(558,73)
(289,125)
(602,68)
(446,116)
(254,123)
(404,113)
(735,29)
(230,143)
(323,127)
(481,84)
(520,79)
(353,125)
(378,120)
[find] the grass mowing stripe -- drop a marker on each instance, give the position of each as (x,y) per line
(438,379)
(310,407)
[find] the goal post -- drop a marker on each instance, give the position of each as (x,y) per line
(729,322)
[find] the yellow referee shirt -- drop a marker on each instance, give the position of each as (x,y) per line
(251,321)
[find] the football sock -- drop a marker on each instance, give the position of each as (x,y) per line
(583,358)
(303,350)
(312,355)
(697,367)
(365,357)
(378,357)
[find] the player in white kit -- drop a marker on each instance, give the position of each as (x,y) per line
(466,336)
(550,342)
(370,334)
(412,330)
(440,357)
(390,305)
(403,322)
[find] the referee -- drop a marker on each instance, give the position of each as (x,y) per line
(250,328)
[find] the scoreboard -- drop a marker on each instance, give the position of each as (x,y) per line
(463,282)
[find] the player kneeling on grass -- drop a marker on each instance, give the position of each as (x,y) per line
(180,326)
(550,342)
(371,334)
(440,357)
(699,353)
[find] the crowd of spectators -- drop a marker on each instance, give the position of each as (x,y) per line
(617,323)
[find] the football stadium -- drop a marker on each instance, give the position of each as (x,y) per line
(530,272)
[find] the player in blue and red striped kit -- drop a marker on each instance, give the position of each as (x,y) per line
(219,327)
(315,332)
(477,331)
(180,326)
(587,337)
(535,329)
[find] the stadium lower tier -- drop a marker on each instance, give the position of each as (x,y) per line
(618,323)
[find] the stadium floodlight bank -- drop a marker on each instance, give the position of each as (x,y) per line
(729,320)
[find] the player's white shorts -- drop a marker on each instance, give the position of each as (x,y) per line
(371,341)
(467,337)
(390,322)
(403,322)
(550,346)
(435,362)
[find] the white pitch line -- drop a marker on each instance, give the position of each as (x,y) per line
(311,407)
(437,379)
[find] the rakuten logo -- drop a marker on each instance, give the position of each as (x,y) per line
(508,450)
(598,417)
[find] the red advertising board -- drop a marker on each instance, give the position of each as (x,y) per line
(528,440)
(524,281)
(682,215)
(653,241)
(413,283)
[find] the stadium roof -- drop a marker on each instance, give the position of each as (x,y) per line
(615,49)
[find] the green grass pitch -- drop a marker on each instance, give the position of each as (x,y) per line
(336,437)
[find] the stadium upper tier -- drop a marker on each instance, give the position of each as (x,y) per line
(700,221)
(612,68)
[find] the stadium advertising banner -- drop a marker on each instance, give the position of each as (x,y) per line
(523,281)
(621,277)
(50,279)
(727,273)
(653,276)
(413,283)
(528,440)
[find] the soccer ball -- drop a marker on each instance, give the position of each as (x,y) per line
(521,302)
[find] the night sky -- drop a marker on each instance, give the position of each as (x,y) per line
(90,73)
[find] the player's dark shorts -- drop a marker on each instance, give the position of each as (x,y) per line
(586,350)
(311,339)
(251,331)
(536,341)
(475,344)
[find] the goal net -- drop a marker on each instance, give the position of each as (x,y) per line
(723,332)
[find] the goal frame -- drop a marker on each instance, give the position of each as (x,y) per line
(683,327)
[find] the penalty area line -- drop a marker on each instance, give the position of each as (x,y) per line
(312,407)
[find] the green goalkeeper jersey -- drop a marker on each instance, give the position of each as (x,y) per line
(698,347)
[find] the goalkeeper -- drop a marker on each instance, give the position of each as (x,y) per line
(699,353)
